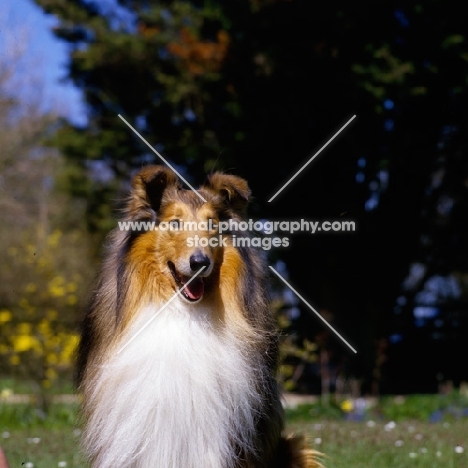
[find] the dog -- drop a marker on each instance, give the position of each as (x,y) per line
(179,348)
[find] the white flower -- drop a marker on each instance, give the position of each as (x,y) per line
(459,449)
(33,440)
(398,443)
(389,426)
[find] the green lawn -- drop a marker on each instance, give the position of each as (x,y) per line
(373,445)
(43,447)
(26,436)
(397,434)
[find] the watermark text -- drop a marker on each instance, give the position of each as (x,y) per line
(233,226)
(240,233)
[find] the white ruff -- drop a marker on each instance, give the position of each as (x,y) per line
(178,396)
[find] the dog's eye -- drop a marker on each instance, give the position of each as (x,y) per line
(175,224)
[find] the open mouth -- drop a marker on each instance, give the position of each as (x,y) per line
(193,291)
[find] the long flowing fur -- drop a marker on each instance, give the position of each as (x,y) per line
(173,382)
(160,407)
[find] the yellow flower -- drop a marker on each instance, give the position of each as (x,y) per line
(24,343)
(57,287)
(51,358)
(347,406)
(56,291)
(44,328)
(68,349)
(54,238)
(5,315)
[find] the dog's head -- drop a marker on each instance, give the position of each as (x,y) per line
(185,240)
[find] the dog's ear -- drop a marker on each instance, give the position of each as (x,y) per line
(231,192)
(148,187)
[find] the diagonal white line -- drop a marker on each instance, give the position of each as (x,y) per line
(311,159)
(161,309)
(159,155)
(310,307)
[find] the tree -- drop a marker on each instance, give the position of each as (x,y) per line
(44,262)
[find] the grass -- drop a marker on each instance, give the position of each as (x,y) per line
(420,431)
(397,432)
(26,387)
(43,448)
(408,444)
(27,436)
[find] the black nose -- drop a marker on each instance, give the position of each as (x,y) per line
(198,260)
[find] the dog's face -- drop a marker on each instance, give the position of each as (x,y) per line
(189,244)
(186,241)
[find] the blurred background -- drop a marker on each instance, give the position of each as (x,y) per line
(253,87)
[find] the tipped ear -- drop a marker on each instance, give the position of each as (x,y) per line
(148,188)
(230,191)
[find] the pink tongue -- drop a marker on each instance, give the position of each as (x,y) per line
(195,289)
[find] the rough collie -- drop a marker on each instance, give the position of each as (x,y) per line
(178,371)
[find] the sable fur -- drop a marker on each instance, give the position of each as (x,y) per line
(196,388)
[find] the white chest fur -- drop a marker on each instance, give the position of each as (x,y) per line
(181,394)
